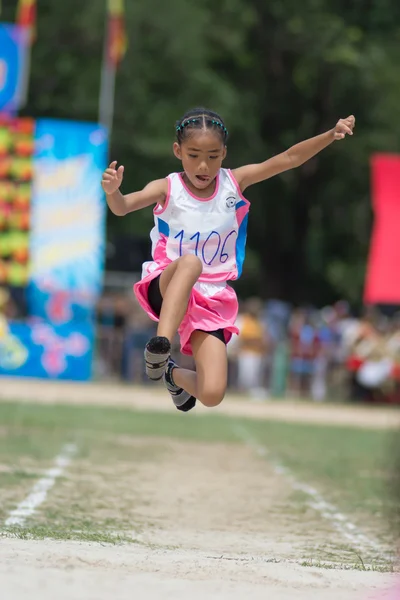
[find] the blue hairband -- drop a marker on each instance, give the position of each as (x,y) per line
(186,123)
(196,120)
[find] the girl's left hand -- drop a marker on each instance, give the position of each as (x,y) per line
(344,127)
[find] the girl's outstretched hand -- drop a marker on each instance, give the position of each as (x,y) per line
(112,178)
(344,127)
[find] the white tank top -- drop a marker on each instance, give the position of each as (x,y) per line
(214,228)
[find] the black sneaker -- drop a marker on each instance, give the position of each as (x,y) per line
(156,356)
(182,399)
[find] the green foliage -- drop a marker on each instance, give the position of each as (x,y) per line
(279,72)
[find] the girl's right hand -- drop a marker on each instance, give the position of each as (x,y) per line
(112,178)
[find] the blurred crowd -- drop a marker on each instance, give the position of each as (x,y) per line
(281,351)
(299,352)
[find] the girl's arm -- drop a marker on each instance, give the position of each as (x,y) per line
(154,192)
(294,157)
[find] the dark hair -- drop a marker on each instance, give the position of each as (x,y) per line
(200,118)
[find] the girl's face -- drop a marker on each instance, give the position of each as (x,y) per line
(201,153)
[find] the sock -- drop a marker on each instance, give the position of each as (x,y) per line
(187,404)
(169,376)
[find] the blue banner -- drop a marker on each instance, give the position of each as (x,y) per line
(60,307)
(68,213)
(13,42)
(41,350)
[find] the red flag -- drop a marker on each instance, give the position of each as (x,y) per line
(26,17)
(116,37)
(115,44)
(382,284)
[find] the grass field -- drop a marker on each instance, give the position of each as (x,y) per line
(254,492)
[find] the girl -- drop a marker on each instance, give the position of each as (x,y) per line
(198,245)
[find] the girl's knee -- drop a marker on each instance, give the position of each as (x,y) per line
(212,398)
(191,262)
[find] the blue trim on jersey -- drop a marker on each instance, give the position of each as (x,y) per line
(163,227)
(241,203)
(241,244)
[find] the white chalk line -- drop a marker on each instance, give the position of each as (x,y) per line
(327,510)
(39,492)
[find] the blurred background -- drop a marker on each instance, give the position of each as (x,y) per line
(84,83)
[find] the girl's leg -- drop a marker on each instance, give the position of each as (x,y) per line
(176,283)
(208,384)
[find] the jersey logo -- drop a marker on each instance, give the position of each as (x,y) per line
(230,202)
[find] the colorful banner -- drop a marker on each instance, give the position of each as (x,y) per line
(43,351)
(13,40)
(60,307)
(16,172)
(68,213)
(382,284)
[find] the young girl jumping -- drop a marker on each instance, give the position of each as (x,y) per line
(198,245)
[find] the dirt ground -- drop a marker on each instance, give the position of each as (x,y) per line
(220,499)
(45,570)
(211,523)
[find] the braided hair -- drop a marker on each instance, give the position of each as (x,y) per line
(200,118)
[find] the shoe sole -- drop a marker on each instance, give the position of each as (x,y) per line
(156,357)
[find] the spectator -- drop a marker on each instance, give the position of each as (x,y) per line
(139,328)
(327,340)
(251,350)
(304,348)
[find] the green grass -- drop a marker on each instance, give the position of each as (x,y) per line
(41,532)
(351,467)
(356,566)
(352,464)
(83,421)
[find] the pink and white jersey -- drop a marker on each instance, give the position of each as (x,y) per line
(214,229)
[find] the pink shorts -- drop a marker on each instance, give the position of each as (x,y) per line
(211,306)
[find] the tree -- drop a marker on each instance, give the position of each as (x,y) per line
(278,72)
(320,61)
